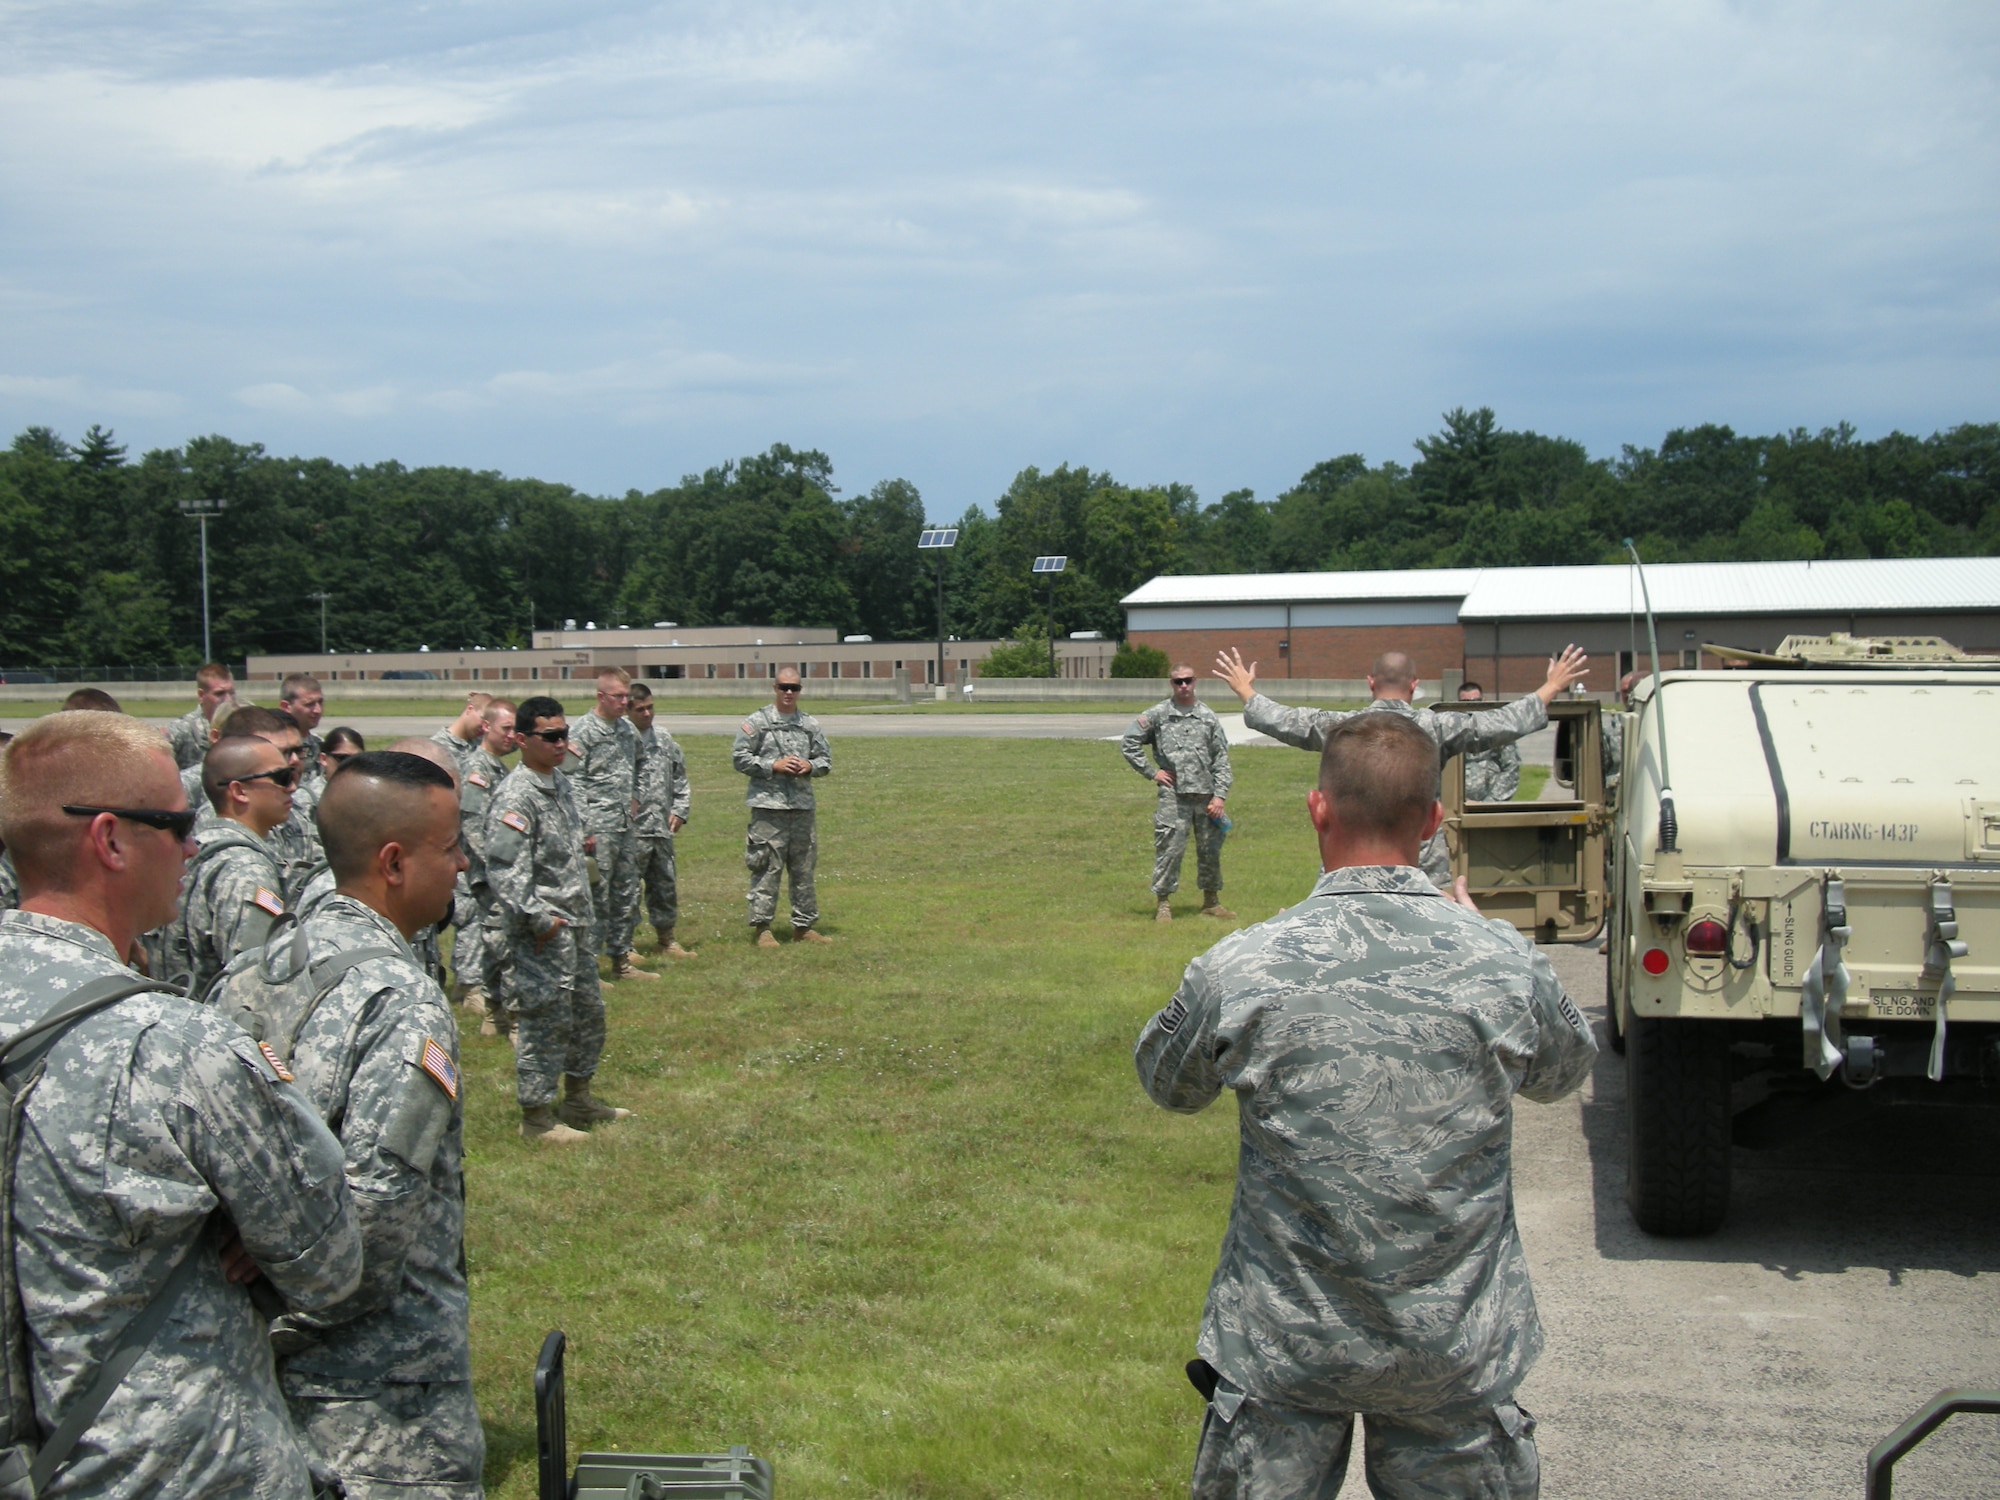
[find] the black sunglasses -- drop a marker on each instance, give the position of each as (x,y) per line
(179,824)
(285,776)
(1181,681)
(552,736)
(790,687)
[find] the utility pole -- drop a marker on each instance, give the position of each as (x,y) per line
(322,597)
(201,510)
(939,539)
(1051,566)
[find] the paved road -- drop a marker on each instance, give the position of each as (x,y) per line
(1856,1277)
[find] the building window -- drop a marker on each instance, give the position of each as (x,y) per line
(1691,660)
(534,674)
(868,669)
(711,671)
(742,670)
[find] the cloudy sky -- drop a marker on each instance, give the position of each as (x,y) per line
(609,244)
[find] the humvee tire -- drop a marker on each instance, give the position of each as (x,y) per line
(1677,1083)
(1614,1032)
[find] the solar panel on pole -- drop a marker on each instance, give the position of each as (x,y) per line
(939,539)
(1051,566)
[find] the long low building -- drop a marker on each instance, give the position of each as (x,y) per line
(1499,626)
(679,654)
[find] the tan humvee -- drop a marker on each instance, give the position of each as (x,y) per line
(1817,911)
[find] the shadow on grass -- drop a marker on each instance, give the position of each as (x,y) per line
(509,1446)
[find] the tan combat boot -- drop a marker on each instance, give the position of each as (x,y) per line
(1211,906)
(539,1123)
(1165,911)
(807,935)
(581,1107)
(765,937)
(474,1000)
(671,948)
(622,967)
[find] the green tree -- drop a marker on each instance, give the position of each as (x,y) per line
(1139,661)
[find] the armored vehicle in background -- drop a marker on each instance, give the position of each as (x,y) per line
(1804,910)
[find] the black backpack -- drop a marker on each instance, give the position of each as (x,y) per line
(27,1464)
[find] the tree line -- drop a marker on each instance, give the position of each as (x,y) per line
(98,565)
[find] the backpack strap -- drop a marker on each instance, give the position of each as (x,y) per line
(20,1055)
(328,979)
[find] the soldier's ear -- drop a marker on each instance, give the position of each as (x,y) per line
(1433,820)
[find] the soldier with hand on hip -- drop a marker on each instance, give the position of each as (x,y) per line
(1192,770)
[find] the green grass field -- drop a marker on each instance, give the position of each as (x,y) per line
(893,1212)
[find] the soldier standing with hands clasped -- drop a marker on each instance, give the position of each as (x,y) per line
(782,750)
(664,801)
(1375,1036)
(1194,779)
(606,749)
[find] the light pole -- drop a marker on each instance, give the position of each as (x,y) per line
(201,510)
(1051,566)
(939,539)
(322,597)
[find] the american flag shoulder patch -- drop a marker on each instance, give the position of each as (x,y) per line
(515,821)
(475,778)
(277,1063)
(437,1062)
(269,901)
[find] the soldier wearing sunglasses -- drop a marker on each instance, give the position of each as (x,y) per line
(233,890)
(1191,769)
(782,750)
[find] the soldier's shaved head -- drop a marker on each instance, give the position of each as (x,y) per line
(378,797)
(1393,669)
(430,750)
(77,757)
(495,707)
(232,758)
(1380,772)
(250,719)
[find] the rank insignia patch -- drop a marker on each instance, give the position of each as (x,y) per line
(268,901)
(277,1066)
(437,1062)
(515,821)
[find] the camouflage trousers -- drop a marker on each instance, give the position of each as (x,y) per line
(1435,861)
(479,948)
(558,1008)
(390,1441)
(1174,820)
(657,876)
(781,840)
(614,888)
(1270,1452)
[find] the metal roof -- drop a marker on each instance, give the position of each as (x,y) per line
(1607,590)
(1304,588)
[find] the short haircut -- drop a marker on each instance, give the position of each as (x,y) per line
(75,756)
(533,710)
(618,672)
(788,667)
(92,700)
(229,759)
(1394,668)
(286,721)
(641,693)
(250,719)
(1181,666)
(370,803)
(478,698)
(298,685)
(426,748)
(495,706)
(1470,687)
(208,674)
(335,738)
(1381,773)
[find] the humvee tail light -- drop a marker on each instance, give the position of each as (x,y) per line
(1655,962)
(1707,938)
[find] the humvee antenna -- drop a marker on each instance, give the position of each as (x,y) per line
(1669,824)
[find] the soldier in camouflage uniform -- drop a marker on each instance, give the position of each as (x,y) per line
(1392,685)
(665,799)
(381,1384)
(1193,775)
(1611,744)
(604,751)
(1375,1036)
(541,891)
(158,1132)
(1490,775)
(301,696)
(476,952)
(233,890)
(781,750)
(462,735)
(214,692)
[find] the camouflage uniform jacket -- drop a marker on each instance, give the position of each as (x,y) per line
(767,737)
(379,1057)
(296,843)
(1454,732)
(10,883)
(1187,741)
(230,895)
(1375,1036)
(461,750)
(534,853)
(189,737)
(663,783)
(483,774)
(156,1124)
(1611,747)
(1493,775)
(604,767)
